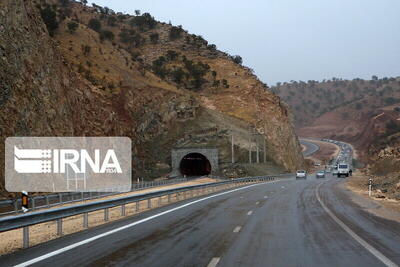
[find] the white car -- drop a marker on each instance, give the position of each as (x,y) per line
(301,174)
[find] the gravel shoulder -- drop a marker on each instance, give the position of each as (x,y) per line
(382,207)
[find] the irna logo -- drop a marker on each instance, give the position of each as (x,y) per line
(58,160)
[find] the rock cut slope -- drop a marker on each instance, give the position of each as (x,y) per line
(71,70)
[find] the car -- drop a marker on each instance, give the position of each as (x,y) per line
(320,174)
(301,174)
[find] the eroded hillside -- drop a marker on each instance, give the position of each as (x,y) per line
(72,70)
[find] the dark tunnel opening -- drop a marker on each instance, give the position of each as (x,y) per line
(195,164)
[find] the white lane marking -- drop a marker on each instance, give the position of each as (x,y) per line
(241,197)
(213,262)
(258,202)
(237,229)
(249,213)
(91,239)
(265,196)
(282,187)
(361,241)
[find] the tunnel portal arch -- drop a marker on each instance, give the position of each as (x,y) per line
(194,161)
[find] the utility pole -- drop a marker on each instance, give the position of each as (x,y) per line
(250,146)
(258,156)
(233,149)
(265,150)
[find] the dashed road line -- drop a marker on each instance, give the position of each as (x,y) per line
(214,261)
(249,213)
(237,229)
(258,202)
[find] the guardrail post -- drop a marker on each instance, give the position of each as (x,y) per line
(149,203)
(26,237)
(106,215)
(85,220)
(33,203)
(59,227)
(60,198)
(83,196)
(16,205)
(123,210)
(47,200)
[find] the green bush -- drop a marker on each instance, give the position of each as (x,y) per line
(111,21)
(175,32)
(144,22)
(154,37)
(95,25)
(237,59)
(107,35)
(72,26)
(49,17)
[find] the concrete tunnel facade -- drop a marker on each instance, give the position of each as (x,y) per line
(194,161)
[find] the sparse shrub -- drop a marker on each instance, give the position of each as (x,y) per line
(86,49)
(226,85)
(172,55)
(237,59)
(131,37)
(49,17)
(391,100)
(358,106)
(72,26)
(212,47)
(107,35)
(175,32)
(144,22)
(177,75)
(397,109)
(95,25)
(392,127)
(111,21)
(154,37)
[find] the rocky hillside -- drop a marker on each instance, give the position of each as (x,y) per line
(311,100)
(67,69)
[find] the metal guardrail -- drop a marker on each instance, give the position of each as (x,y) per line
(51,200)
(57,214)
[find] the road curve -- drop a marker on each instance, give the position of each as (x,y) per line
(272,224)
(311,147)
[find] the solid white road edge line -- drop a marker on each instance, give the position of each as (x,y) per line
(361,241)
(91,239)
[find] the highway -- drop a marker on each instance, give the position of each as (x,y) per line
(311,148)
(287,222)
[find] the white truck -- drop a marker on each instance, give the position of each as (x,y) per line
(343,169)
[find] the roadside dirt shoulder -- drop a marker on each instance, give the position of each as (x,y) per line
(382,207)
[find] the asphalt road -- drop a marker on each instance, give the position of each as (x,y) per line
(278,223)
(311,148)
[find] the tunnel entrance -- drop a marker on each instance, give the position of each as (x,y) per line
(195,164)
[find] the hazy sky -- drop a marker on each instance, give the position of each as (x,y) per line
(285,40)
